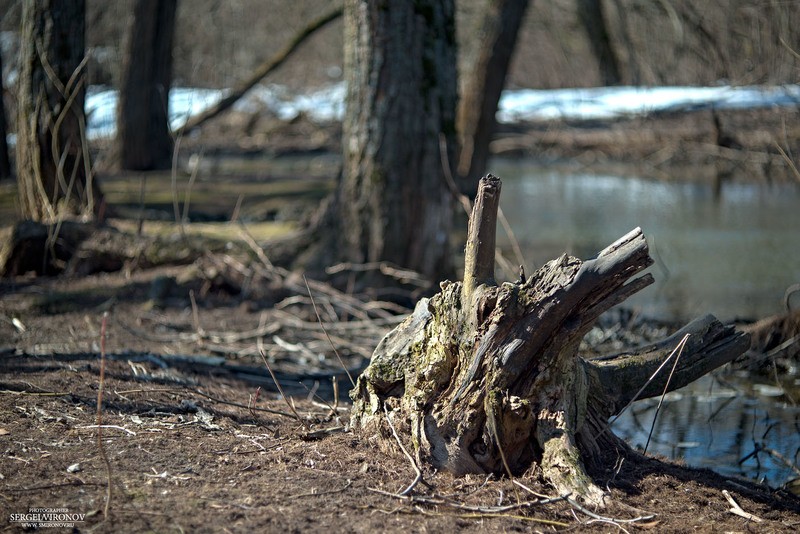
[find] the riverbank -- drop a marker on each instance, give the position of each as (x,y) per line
(754,145)
(750,145)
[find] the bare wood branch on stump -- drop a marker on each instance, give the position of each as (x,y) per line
(708,347)
(479,253)
(487,378)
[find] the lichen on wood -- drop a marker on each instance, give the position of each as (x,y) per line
(487,378)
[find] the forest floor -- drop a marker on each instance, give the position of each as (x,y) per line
(194,434)
(185,454)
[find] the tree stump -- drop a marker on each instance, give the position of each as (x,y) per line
(487,379)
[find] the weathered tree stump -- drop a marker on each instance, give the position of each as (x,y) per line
(487,378)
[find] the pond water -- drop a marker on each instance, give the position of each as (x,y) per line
(721,423)
(732,254)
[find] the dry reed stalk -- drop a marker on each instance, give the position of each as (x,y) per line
(100,413)
(283,395)
(352,382)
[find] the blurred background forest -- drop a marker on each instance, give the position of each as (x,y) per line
(657,42)
(561,44)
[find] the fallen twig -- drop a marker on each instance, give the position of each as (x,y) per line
(467,507)
(529,490)
(321,433)
(349,376)
(614,520)
(652,377)
(76,482)
(736,509)
(488,515)
(131,432)
(35,393)
(322,403)
(207,396)
(759,447)
(196,316)
(402,275)
(280,390)
(414,465)
(789,161)
(251,402)
(316,494)
(580,508)
(679,348)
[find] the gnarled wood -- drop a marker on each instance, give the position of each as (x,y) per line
(710,345)
(487,378)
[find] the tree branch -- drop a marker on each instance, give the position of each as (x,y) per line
(617,378)
(479,254)
(265,68)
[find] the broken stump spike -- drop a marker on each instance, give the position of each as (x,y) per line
(480,249)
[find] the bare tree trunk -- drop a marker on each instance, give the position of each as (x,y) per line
(5,164)
(487,379)
(400,69)
(144,141)
(591,15)
(483,86)
(631,62)
(54,171)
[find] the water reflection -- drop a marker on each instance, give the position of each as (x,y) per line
(732,255)
(717,425)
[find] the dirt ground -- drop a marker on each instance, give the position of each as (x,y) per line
(186,454)
(183,458)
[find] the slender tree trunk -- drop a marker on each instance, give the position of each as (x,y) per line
(144,141)
(483,86)
(5,164)
(591,15)
(54,171)
(393,202)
